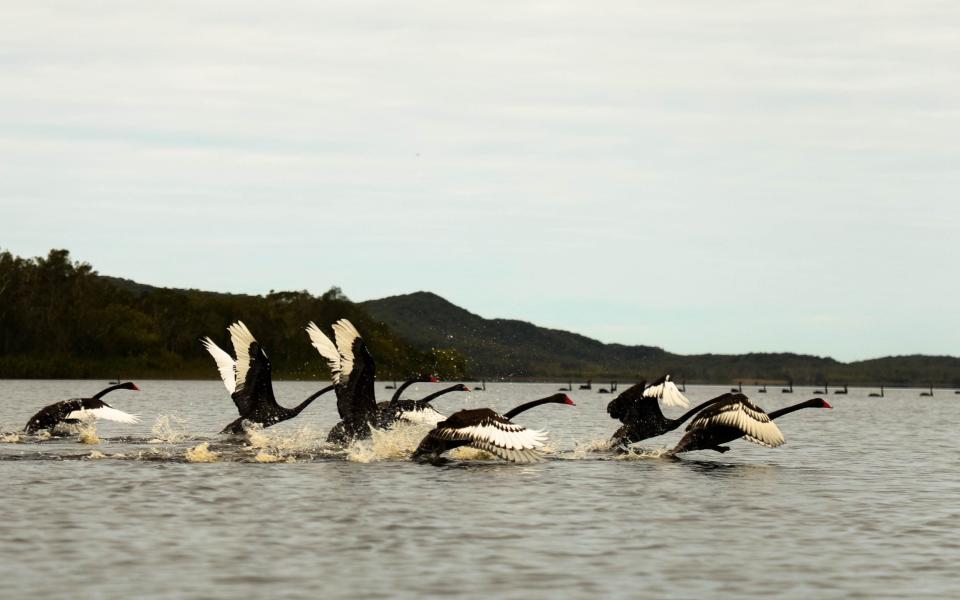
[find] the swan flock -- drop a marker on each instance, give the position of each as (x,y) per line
(246,375)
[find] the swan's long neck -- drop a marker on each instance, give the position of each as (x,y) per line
(106,391)
(296,410)
(403,386)
(794,407)
(524,407)
(674,423)
(435,395)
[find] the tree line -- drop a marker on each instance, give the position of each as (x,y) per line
(61,319)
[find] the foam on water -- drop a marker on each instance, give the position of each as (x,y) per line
(201,453)
(637,453)
(265,457)
(10,437)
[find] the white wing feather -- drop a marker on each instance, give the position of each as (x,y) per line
(763,433)
(225,364)
(345,334)
(668,393)
(106,413)
(327,349)
(756,426)
(241,338)
(507,436)
(425,416)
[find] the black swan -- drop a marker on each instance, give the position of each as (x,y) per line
(738,389)
(487,430)
(842,392)
(569,387)
(762,390)
(876,395)
(788,390)
(353,372)
(413,411)
(75,410)
(642,418)
(588,385)
(734,418)
(927,394)
(249,381)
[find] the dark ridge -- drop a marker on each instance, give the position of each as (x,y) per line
(505,348)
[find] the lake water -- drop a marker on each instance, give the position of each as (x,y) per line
(862,501)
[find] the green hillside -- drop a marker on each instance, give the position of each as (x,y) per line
(59,318)
(503,348)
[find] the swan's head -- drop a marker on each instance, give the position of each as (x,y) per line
(461,388)
(129,385)
(562,399)
(820,403)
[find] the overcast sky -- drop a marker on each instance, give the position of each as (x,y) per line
(701,176)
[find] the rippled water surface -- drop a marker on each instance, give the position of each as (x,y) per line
(862,501)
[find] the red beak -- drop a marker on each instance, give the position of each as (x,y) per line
(135,388)
(826,404)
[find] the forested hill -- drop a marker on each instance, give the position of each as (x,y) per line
(59,318)
(509,348)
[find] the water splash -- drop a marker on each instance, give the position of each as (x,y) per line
(88,433)
(10,437)
(279,445)
(303,439)
(586,449)
(201,453)
(265,457)
(637,453)
(397,443)
(96,455)
(168,429)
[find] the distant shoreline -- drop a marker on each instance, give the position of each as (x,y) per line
(774,388)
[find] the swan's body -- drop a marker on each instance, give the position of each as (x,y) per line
(249,380)
(734,418)
(638,408)
(488,430)
(77,410)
